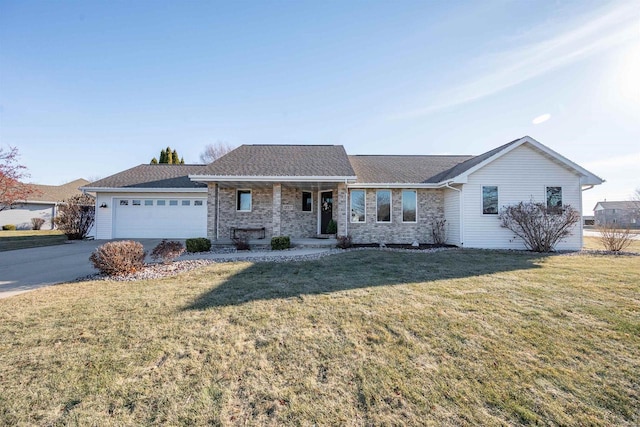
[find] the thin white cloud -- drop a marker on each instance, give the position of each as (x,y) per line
(541,119)
(612,27)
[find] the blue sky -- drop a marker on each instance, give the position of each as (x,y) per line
(90,88)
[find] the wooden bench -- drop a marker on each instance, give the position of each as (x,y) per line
(248,230)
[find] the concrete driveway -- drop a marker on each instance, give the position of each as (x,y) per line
(23,270)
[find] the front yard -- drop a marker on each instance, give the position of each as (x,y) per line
(458,337)
(22,239)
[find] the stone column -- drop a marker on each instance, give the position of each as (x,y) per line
(212,211)
(277,208)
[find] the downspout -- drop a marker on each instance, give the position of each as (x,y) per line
(346,208)
(461,213)
(217,211)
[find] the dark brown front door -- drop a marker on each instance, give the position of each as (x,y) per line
(326,210)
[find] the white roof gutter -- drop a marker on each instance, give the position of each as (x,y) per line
(142,190)
(217,178)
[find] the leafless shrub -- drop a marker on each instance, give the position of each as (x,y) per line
(241,242)
(539,228)
(36,223)
(167,251)
(439,232)
(344,242)
(614,239)
(117,258)
(76,217)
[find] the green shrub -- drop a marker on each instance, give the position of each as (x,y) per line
(281,242)
(332,227)
(198,244)
(116,258)
(9,227)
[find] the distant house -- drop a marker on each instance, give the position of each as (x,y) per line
(622,214)
(44,204)
(304,191)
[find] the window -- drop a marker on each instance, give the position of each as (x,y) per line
(197,203)
(357,200)
(136,203)
(383,206)
(554,199)
(409,206)
(148,202)
(173,203)
(186,203)
(307,201)
(161,202)
(243,200)
(124,203)
(490,200)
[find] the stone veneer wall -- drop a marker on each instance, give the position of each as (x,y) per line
(261,214)
(294,221)
(430,208)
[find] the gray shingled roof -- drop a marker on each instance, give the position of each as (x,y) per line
(152,176)
(283,160)
(620,205)
(57,193)
(468,164)
(402,169)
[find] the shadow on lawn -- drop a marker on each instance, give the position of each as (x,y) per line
(357,269)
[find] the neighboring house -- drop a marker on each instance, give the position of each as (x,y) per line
(619,214)
(43,204)
(295,190)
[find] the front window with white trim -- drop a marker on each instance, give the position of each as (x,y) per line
(358,209)
(307,201)
(409,206)
(554,199)
(383,206)
(489,200)
(243,200)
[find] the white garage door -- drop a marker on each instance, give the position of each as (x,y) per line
(175,218)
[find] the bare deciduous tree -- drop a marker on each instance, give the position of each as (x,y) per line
(541,229)
(215,151)
(12,189)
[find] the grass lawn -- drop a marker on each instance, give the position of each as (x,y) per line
(593,243)
(21,239)
(453,338)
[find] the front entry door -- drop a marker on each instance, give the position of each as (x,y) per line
(326,210)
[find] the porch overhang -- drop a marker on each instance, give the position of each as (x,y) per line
(302,182)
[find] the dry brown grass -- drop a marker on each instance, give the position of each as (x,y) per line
(361,338)
(594,243)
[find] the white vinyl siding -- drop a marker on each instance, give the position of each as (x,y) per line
(521,175)
(150,220)
(452,215)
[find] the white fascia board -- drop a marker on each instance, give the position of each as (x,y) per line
(392,185)
(143,190)
(587,178)
(216,178)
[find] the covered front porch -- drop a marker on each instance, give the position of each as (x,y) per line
(302,210)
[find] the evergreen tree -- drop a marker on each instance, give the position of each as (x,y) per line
(168,156)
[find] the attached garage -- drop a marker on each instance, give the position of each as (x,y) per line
(176,218)
(151,202)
